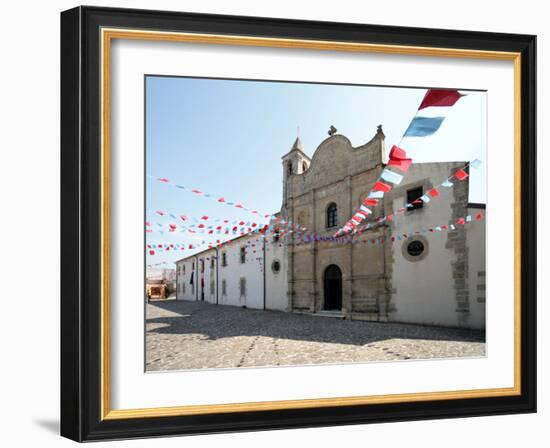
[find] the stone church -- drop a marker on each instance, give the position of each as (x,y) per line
(410,275)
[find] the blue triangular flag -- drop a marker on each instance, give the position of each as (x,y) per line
(391,176)
(423,126)
(475,163)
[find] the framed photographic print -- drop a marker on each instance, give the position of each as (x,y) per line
(274,223)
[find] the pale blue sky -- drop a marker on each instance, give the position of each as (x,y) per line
(226,137)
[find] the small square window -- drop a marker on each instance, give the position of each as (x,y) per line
(413,198)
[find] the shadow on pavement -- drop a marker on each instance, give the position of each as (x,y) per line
(224,321)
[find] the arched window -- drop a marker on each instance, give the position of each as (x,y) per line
(304,166)
(332,215)
(289,164)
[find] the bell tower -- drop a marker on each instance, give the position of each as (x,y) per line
(295,162)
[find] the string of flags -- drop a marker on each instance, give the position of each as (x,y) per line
(460,174)
(221,200)
(167,247)
(348,239)
(392,174)
(399,163)
(210,225)
(207,224)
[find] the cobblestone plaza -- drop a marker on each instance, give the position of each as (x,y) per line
(194,335)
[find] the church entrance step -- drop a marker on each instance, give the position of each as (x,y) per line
(329,313)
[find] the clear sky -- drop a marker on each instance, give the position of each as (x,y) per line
(227,137)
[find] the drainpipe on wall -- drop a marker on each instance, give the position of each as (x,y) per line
(196,280)
(217,276)
(265,271)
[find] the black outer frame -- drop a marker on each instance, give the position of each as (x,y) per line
(80,223)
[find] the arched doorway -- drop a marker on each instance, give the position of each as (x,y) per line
(333,288)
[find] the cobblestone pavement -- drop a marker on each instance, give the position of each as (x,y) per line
(194,335)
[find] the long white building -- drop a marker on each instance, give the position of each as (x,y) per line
(249,272)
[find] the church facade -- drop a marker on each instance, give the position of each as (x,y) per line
(412,276)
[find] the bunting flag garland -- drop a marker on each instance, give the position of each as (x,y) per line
(259,242)
(218,199)
(433,193)
(398,161)
(419,127)
(423,126)
(282,228)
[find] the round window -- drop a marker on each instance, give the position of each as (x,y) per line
(276,266)
(415,248)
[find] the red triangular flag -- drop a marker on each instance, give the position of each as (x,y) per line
(461,221)
(439,97)
(151,252)
(479,216)
(401,165)
(381,186)
(398,159)
(461,174)
(397,153)
(433,192)
(370,201)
